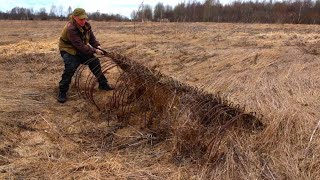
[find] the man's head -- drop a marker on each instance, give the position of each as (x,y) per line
(80,16)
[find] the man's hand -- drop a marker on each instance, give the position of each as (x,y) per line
(99,52)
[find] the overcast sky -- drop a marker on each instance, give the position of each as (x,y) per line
(123,7)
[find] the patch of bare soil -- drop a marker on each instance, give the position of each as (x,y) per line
(270,69)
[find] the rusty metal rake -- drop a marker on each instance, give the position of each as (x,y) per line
(159,101)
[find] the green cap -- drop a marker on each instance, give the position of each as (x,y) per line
(80,13)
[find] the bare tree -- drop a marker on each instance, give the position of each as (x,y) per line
(179,12)
(69,10)
(147,12)
(60,10)
(144,13)
(208,10)
(43,14)
(158,11)
(168,13)
(133,15)
(53,11)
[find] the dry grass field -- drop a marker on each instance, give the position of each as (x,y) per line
(273,70)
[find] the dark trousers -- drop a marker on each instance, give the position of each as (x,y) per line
(71,64)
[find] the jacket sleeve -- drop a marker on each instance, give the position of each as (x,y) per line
(76,41)
(93,41)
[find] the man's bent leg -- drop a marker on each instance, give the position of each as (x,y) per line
(71,63)
(95,68)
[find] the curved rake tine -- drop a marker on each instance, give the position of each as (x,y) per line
(119,87)
(81,69)
(77,80)
(78,76)
(93,79)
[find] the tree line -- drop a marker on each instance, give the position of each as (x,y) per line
(286,11)
(55,13)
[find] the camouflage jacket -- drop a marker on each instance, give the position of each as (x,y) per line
(75,38)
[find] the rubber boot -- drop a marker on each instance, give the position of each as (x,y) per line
(62,97)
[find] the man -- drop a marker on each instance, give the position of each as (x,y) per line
(78,44)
